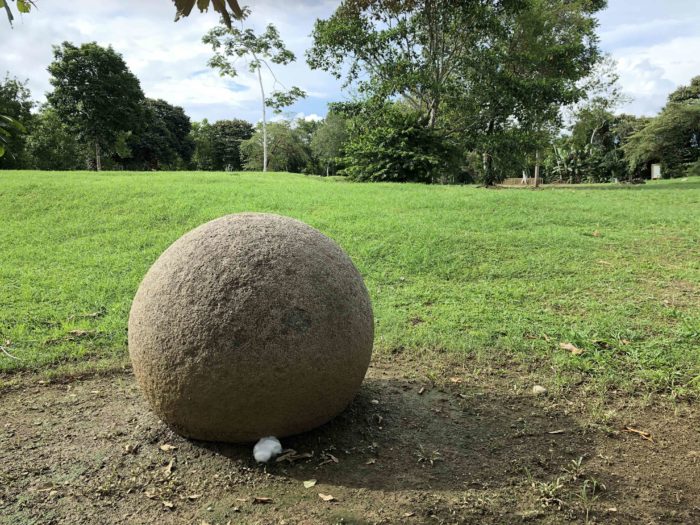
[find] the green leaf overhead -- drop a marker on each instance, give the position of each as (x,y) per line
(184,8)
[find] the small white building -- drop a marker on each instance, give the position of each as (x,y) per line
(655,171)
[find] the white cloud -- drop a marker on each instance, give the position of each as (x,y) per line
(168,58)
(656,48)
(655,43)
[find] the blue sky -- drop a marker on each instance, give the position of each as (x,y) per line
(656,45)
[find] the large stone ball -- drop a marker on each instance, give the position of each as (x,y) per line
(250,325)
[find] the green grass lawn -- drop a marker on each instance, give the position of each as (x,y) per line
(495,275)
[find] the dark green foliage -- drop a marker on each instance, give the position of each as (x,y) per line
(328,143)
(51,145)
(397,147)
(286,147)
(218,144)
(487,74)
(693,170)
(594,150)
(163,140)
(228,135)
(95,94)
(672,138)
(15,115)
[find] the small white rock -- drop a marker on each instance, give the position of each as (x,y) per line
(539,390)
(266,449)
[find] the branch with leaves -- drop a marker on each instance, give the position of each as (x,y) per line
(8,128)
(23,6)
(184,8)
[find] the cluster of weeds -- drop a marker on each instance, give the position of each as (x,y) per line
(586,489)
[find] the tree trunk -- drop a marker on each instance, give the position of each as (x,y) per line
(98,160)
(537,169)
(487,164)
(487,160)
(328,169)
(264,121)
(433,113)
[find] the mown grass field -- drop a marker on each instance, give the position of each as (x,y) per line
(493,275)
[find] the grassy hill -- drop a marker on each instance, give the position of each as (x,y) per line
(474,276)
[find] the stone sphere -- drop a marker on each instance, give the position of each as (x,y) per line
(250,325)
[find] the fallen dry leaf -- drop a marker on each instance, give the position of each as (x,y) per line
(571,348)
(596,233)
(409,514)
(310,483)
(193,497)
(150,494)
(168,470)
(371,461)
(422,389)
(456,380)
(326,497)
(556,432)
(167,447)
(168,504)
(261,501)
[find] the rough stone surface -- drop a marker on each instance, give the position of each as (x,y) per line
(250,325)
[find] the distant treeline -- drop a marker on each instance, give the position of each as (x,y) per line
(447,92)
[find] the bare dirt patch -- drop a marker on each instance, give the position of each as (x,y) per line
(406,451)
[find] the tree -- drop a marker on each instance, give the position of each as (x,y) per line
(164,139)
(203,138)
(539,56)
(686,93)
(227,138)
(50,143)
(232,43)
(287,149)
(396,145)
(472,69)
(15,115)
(218,145)
(95,94)
(329,140)
(672,139)
(416,49)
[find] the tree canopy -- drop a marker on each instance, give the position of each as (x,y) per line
(15,114)
(95,93)
(672,138)
(473,70)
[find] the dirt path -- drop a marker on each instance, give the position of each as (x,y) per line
(89,451)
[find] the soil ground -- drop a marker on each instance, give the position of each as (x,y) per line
(406,451)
